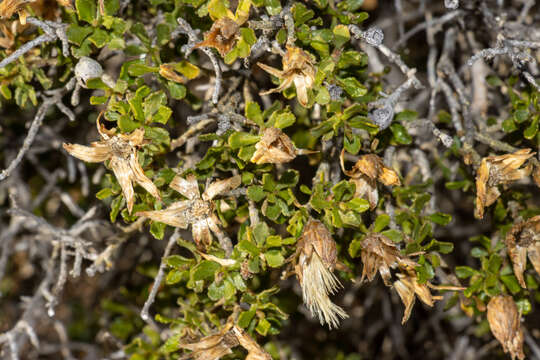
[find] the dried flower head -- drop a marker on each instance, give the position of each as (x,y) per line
(495,170)
(503,318)
(522,240)
(9,7)
(366,172)
(121,152)
(298,69)
(315,259)
(197,210)
(408,288)
(380,254)
(214,347)
(222,36)
(275,148)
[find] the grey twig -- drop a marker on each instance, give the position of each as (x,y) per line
(185,28)
(435,22)
(55,97)
(159,278)
(53,31)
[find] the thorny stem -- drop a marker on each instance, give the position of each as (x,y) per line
(159,278)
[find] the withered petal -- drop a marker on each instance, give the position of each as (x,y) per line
(188,187)
(175,215)
(503,318)
(405,290)
(286,83)
(221,186)
(124,175)
(482,177)
(271,70)
(389,177)
(533,252)
(201,234)
(140,178)
(98,152)
(301,84)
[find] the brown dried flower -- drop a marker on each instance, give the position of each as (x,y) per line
(495,170)
(298,69)
(275,148)
(408,286)
(121,151)
(503,318)
(380,254)
(10,7)
(197,210)
(522,240)
(222,36)
(366,172)
(314,262)
(215,346)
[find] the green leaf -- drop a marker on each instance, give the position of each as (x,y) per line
(341,35)
(177,91)
(157,230)
(138,69)
(401,136)
(440,218)
(301,14)
(511,283)
(253,113)
(239,139)
(274,258)
(76,34)
(205,270)
(380,223)
(86,10)
(255,193)
(245,317)
(249,247)
(352,87)
(263,326)
(358,205)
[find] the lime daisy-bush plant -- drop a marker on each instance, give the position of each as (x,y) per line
(228,179)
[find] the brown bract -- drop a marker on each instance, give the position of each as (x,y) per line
(222,36)
(408,288)
(495,170)
(274,148)
(380,254)
(197,210)
(121,152)
(168,72)
(9,30)
(215,346)
(298,69)
(522,240)
(503,318)
(536,175)
(314,262)
(366,172)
